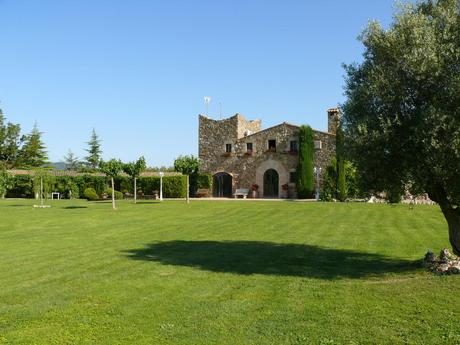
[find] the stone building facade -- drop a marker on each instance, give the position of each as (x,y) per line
(240,154)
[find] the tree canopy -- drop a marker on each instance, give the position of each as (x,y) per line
(186,165)
(134,169)
(9,142)
(402,114)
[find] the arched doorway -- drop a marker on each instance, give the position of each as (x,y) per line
(271,182)
(222,185)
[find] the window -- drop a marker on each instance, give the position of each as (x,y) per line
(292,177)
(272,145)
(249,147)
(318,145)
(293,146)
(228,148)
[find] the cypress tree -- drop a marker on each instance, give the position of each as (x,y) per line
(341,183)
(305,175)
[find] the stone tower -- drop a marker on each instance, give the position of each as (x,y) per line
(333,120)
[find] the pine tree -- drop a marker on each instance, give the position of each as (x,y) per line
(94,150)
(71,161)
(33,151)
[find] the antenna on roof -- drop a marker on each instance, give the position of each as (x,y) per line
(207,100)
(220,110)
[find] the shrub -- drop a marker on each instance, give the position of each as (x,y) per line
(98,183)
(90,194)
(118,195)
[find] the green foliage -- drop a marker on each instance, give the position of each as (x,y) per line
(9,142)
(134,169)
(6,182)
(402,114)
(33,151)
(43,181)
(341,173)
(200,181)
(305,175)
(111,168)
(22,187)
(173,186)
(99,183)
(330,189)
(71,161)
(118,195)
(90,194)
(186,165)
(94,151)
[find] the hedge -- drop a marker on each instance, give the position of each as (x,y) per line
(200,181)
(173,186)
(23,185)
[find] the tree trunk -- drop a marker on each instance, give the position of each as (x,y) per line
(452,215)
(135,190)
(453,221)
(188,189)
(113,194)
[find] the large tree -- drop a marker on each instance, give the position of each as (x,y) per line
(9,142)
(134,170)
(187,165)
(402,114)
(33,151)
(305,174)
(94,151)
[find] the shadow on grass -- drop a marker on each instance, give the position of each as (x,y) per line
(253,257)
(73,207)
(146,202)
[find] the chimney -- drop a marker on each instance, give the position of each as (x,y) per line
(333,119)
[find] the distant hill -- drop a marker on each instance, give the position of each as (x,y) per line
(58,165)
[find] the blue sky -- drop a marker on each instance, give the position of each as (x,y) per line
(137,70)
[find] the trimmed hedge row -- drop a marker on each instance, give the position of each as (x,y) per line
(200,181)
(74,186)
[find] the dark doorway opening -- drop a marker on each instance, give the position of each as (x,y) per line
(271,182)
(222,185)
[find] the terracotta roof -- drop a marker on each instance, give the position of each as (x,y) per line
(76,173)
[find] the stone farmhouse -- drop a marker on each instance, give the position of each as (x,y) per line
(239,154)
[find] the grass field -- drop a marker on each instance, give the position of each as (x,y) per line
(223,273)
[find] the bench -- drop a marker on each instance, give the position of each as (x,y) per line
(241,192)
(203,193)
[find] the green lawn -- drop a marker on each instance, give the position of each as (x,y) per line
(223,273)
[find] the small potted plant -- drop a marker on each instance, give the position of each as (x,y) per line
(254,189)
